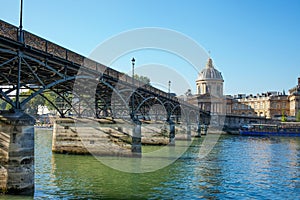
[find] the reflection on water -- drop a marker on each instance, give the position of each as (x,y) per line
(237,167)
(154,158)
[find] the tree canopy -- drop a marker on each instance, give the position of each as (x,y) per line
(143,79)
(32,106)
(298,116)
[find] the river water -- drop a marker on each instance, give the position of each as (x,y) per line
(237,167)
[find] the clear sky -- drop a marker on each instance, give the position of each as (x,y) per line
(254,43)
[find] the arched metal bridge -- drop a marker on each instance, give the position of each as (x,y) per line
(83,87)
(86,88)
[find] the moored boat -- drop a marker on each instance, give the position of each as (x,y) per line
(291,129)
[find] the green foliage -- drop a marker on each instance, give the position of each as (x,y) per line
(51,96)
(298,116)
(143,79)
(32,106)
(283,117)
(4,105)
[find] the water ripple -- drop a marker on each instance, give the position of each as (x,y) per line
(237,167)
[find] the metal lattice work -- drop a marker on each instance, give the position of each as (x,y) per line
(83,86)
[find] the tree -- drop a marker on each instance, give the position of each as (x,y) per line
(32,106)
(188,92)
(143,79)
(3,104)
(51,96)
(298,116)
(283,117)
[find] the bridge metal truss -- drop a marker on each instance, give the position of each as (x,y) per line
(84,87)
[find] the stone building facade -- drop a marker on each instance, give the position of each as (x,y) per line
(294,99)
(270,105)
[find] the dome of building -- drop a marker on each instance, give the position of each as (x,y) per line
(210,81)
(209,72)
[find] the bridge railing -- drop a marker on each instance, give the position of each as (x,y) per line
(10,31)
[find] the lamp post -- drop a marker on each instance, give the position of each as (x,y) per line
(169,120)
(132,99)
(21,23)
(136,145)
(169,88)
(169,95)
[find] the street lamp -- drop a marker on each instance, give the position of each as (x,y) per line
(136,145)
(169,120)
(169,94)
(133,62)
(169,88)
(21,23)
(132,99)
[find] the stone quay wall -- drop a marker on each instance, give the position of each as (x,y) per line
(103,136)
(232,123)
(90,136)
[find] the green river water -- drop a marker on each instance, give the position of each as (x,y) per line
(236,167)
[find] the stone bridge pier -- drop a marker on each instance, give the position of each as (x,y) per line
(136,147)
(171,132)
(16,153)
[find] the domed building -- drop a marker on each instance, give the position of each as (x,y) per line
(240,108)
(210,90)
(209,95)
(210,81)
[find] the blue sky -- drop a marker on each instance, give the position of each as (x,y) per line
(254,43)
